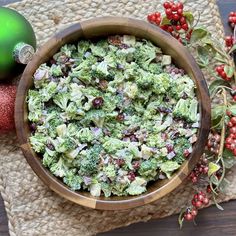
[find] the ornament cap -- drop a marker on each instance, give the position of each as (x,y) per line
(23,53)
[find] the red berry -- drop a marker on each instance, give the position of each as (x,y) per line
(193,202)
(178,27)
(219,69)
(198,204)
(200,197)
(164,27)
(175,17)
(185,27)
(182,20)
(234,98)
(228,146)
(166,5)
(168,12)
(194,179)
(231,13)
(233,120)
(209,189)
(194,212)
(230,124)
(149,17)
(223,74)
(205,170)
(158,21)
(152,18)
(234,152)
(195,196)
(174,7)
(186,153)
(170,29)
(233,130)
(228,113)
(205,201)
(180,12)
(157,14)
(180,5)
(188,217)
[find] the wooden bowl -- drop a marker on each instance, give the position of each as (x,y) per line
(98,27)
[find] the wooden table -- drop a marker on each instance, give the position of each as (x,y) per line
(210,221)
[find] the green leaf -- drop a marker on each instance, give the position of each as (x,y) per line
(215,84)
(213,168)
(214,180)
(223,185)
(232,108)
(229,70)
(189,17)
(165,21)
(229,159)
(203,55)
(198,34)
(232,49)
(218,111)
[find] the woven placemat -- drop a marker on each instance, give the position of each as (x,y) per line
(32,208)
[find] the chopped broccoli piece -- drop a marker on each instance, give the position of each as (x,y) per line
(38,142)
(85,135)
(59,168)
(137,187)
(73,180)
(168,167)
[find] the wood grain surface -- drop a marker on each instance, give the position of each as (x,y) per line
(210,221)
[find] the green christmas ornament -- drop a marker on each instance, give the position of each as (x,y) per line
(17,43)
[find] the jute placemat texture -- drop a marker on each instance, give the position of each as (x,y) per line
(32,208)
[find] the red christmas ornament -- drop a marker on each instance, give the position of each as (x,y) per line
(7,103)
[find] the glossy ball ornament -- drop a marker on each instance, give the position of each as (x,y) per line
(17,43)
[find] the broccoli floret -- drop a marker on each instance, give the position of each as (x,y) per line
(89,162)
(145,53)
(48,160)
(96,116)
(64,144)
(181,144)
(85,135)
(100,69)
(48,91)
(106,189)
(34,100)
(168,167)
(155,68)
(119,188)
(137,187)
(148,169)
(161,83)
(83,46)
(68,49)
(145,79)
(41,76)
(113,144)
(110,171)
(61,100)
(56,70)
(98,50)
(182,86)
(73,180)
(186,109)
(59,168)
(38,142)
(130,90)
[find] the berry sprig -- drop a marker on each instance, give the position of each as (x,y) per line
(220,150)
(232,19)
(174,21)
(230,141)
(200,169)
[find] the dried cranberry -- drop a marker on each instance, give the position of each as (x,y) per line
(169,148)
(136,165)
(131,176)
(33,127)
(50,146)
(120,117)
(120,162)
(97,102)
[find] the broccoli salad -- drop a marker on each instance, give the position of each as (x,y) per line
(111,115)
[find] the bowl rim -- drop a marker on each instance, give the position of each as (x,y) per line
(87,29)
